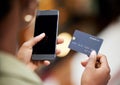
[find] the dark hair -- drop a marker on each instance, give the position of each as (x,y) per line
(5,7)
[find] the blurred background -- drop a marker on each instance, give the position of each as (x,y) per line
(97,17)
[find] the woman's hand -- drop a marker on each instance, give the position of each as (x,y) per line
(97,71)
(25,52)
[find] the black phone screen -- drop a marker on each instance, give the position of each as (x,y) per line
(48,25)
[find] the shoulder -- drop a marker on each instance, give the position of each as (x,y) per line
(15,71)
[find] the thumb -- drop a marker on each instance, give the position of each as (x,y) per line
(92,59)
(35,40)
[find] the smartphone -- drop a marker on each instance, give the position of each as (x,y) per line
(46,22)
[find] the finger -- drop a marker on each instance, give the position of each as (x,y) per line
(84,63)
(31,65)
(60,40)
(35,40)
(42,62)
(46,62)
(103,61)
(92,60)
(58,51)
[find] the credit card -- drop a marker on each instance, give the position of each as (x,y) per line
(85,43)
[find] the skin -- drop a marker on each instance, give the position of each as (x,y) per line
(25,52)
(9,31)
(93,75)
(9,39)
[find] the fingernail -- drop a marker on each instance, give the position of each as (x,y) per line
(42,34)
(93,53)
(47,62)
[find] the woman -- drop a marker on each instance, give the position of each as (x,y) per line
(13,71)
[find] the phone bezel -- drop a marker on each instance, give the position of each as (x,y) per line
(47,56)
